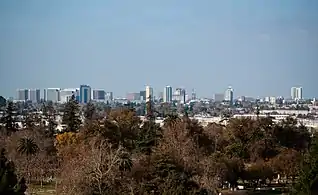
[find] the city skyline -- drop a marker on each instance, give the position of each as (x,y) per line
(167,94)
(205,45)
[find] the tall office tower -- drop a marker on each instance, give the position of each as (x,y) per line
(35,95)
(183,96)
(228,96)
(23,95)
(297,93)
(99,95)
(66,94)
(149,94)
(109,96)
(193,95)
(167,94)
(85,94)
(142,95)
(44,94)
(179,95)
(293,93)
(53,94)
(218,97)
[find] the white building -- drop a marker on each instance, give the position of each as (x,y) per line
(35,95)
(228,95)
(149,94)
(297,93)
(23,94)
(272,100)
(53,94)
(179,95)
(167,94)
(66,94)
(109,96)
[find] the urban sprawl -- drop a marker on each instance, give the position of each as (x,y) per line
(178,101)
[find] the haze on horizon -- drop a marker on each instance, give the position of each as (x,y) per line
(261,48)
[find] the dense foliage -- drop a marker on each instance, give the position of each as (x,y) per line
(9,182)
(115,152)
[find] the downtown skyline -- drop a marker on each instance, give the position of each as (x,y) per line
(206,45)
(166,93)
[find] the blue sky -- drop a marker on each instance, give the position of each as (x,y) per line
(261,48)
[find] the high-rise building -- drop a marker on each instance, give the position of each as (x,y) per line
(272,100)
(297,93)
(149,94)
(85,94)
(35,95)
(66,94)
(167,94)
(23,95)
(109,96)
(193,95)
(293,93)
(218,97)
(53,94)
(183,96)
(142,95)
(44,95)
(179,95)
(99,95)
(228,96)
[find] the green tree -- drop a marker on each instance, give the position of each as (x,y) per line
(3,102)
(308,180)
(148,137)
(290,135)
(122,127)
(90,111)
(71,116)
(169,177)
(28,147)
(50,115)
(150,110)
(9,183)
(8,118)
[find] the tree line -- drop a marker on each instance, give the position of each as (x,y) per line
(115,152)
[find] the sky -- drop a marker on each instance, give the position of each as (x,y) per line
(260,48)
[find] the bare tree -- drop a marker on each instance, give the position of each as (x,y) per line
(93,170)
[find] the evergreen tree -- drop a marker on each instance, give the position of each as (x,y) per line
(150,110)
(9,183)
(71,116)
(3,102)
(308,180)
(8,118)
(90,111)
(50,114)
(148,137)
(150,132)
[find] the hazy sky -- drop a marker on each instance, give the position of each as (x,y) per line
(259,47)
